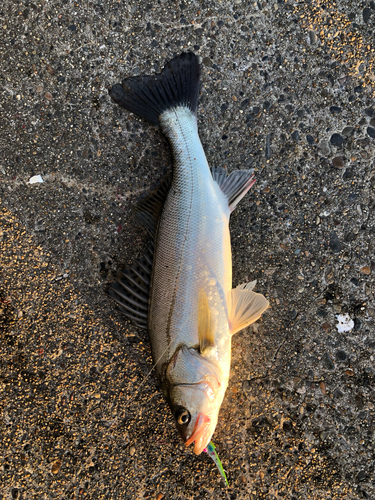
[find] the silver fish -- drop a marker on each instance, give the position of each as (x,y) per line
(182,289)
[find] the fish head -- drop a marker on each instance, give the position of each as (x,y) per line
(195,414)
(195,394)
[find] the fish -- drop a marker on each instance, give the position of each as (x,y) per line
(181,289)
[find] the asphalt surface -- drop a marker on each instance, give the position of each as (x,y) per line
(287,89)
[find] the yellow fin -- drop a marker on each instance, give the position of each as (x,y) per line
(206,323)
(246,307)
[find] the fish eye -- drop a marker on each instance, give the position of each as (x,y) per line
(182,416)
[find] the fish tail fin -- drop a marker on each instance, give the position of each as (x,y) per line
(148,96)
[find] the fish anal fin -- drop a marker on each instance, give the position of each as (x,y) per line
(150,206)
(246,307)
(206,323)
(235,185)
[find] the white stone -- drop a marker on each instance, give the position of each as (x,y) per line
(345,323)
(35,179)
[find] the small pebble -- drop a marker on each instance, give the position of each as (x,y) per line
(310,139)
(338,162)
(365,270)
(327,361)
(334,242)
(312,37)
(335,109)
(324,148)
(347,131)
(295,136)
(361,476)
(348,174)
(337,394)
(371,132)
(287,426)
(337,140)
(357,324)
(246,386)
(345,323)
(268,147)
(56,466)
(132,451)
(366,13)
(350,237)
(341,355)
(35,179)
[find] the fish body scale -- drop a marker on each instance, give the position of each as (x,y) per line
(192,250)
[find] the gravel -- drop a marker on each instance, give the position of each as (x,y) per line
(287,89)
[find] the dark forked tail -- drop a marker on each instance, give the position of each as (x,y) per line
(148,96)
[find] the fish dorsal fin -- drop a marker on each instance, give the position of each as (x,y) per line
(130,290)
(149,208)
(235,185)
(246,307)
(206,323)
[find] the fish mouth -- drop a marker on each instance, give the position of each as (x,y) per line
(201,428)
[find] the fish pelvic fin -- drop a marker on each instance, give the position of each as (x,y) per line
(148,96)
(206,323)
(235,185)
(246,307)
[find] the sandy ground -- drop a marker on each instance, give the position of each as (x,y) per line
(287,89)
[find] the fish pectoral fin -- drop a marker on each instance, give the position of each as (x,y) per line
(206,323)
(235,185)
(246,307)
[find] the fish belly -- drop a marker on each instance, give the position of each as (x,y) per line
(192,250)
